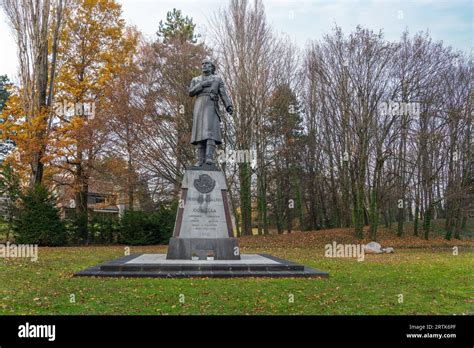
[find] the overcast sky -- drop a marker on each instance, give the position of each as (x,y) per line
(448,20)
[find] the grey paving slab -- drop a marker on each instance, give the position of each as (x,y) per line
(161,259)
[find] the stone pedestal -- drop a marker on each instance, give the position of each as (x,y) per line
(203,222)
(203,225)
(221,248)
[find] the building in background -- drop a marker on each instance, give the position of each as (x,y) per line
(104,199)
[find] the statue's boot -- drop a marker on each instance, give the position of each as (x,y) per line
(201,151)
(210,149)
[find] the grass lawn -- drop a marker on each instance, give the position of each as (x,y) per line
(431,279)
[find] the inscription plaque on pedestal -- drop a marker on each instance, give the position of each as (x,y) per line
(203,222)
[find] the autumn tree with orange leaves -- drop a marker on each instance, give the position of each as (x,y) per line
(94,46)
(36,26)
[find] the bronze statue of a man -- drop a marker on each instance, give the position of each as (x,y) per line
(206,133)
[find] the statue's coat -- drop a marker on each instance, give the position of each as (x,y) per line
(206,118)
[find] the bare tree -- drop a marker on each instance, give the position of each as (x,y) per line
(245,47)
(36,26)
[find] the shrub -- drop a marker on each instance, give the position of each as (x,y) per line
(134,228)
(165,218)
(141,228)
(104,229)
(10,190)
(38,221)
(77,227)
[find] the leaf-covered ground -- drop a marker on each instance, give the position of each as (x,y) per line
(421,277)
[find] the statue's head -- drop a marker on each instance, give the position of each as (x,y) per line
(208,67)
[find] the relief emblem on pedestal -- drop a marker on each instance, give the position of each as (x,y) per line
(205,183)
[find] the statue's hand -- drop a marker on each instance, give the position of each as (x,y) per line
(230,109)
(214,97)
(206,84)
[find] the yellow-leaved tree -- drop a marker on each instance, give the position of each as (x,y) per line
(93,48)
(27,118)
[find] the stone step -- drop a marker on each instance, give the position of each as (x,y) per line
(158,266)
(198,267)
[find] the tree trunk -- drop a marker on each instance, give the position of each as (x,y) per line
(245,198)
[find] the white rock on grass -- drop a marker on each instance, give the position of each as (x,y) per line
(388,250)
(376,248)
(373,247)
